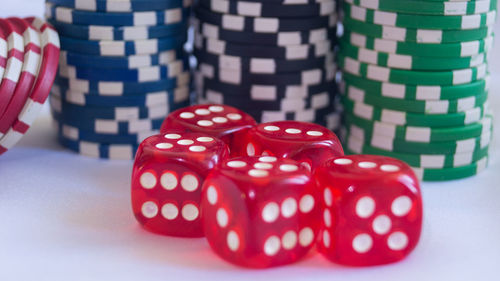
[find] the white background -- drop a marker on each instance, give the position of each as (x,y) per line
(66,217)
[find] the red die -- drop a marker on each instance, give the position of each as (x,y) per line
(168,173)
(221,121)
(309,144)
(260,211)
(372,210)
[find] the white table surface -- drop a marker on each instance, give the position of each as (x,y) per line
(66,217)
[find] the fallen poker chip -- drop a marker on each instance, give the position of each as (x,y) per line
(280,38)
(129,62)
(430,78)
(410,62)
(444,8)
(123,48)
(147,18)
(14,65)
(417,35)
(450,50)
(166,97)
(120,5)
(263,65)
(111,88)
(372,113)
(263,24)
(266,9)
(127,33)
(143,74)
(417,21)
(294,52)
(100,150)
(413,92)
(41,88)
(29,72)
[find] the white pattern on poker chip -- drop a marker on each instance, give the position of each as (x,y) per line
(328,197)
(365,207)
(288,207)
(222,217)
(149,209)
(205,123)
(189,183)
(173,136)
(314,133)
(306,236)
(190,212)
(270,212)
(342,161)
(381,224)
(250,149)
(367,165)
(197,148)
(362,243)
(236,164)
(397,241)
(327,217)
(389,168)
(187,115)
(272,246)
(271,128)
(220,120)
(258,173)
(148,180)
(293,131)
(263,166)
(288,168)
(169,211)
(212,195)
(306,203)
(401,206)
(289,240)
(268,159)
(326,239)
(216,108)
(202,111)
(164,145)
(234,116)
(205,139)
(168,181)
(233,241)
(185,142)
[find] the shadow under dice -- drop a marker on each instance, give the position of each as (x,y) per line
(372,210)
(309,144)
(260,211)
(167,177)
(220,121)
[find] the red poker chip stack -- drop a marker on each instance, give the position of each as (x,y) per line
(29,56)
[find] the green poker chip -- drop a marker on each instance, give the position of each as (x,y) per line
(423,107)
(364,128)
(402,34)
(451,50)
(434,78)
(417,21)
(414,92)
(447,8)
(452,173)
(402,118)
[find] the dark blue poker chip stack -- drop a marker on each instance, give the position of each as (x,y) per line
(123,69)
(271,58)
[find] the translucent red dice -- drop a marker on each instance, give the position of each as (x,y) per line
(221,121)
(167,178)
(260,211)
(310,144)
(372,211)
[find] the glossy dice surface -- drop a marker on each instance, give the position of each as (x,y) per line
(167,177)
(260,211)
(309,144)
(221,121)
(372,210)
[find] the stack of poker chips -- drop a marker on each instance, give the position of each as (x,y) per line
(415,83)
(271,58)
(123,69)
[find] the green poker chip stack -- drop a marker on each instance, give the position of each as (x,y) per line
(415,83)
